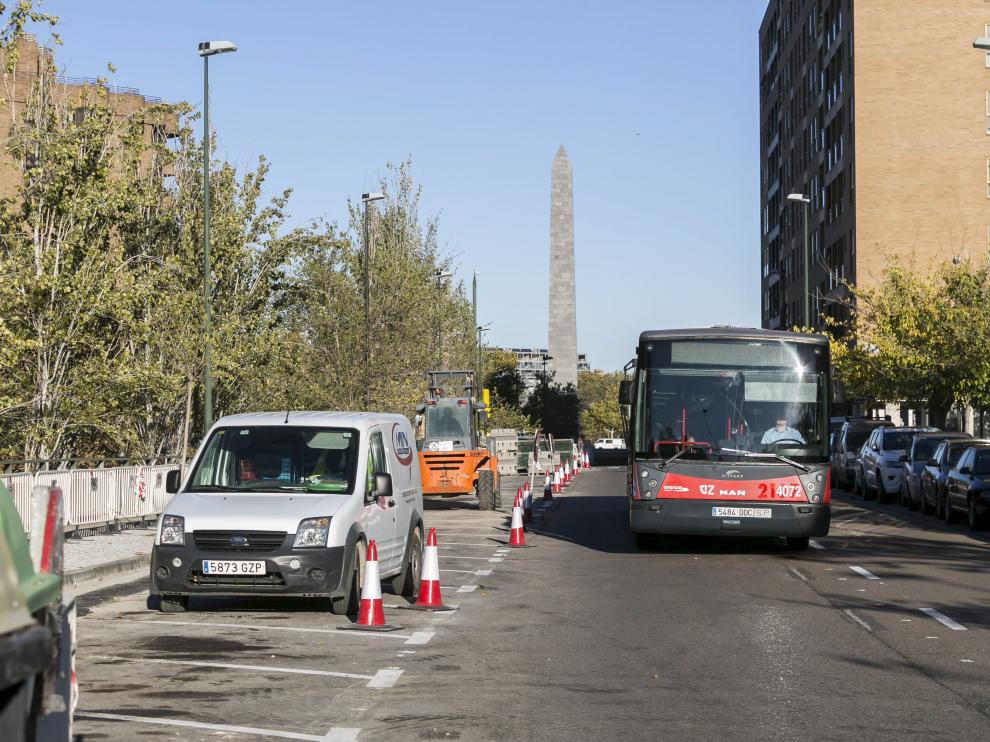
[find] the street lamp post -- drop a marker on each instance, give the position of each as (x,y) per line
(439,276)
(367,199)
(480,382)
(801,198)
(206,50)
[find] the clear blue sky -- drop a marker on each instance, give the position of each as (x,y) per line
(655,101)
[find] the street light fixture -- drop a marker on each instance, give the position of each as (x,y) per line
(367,199)
(206,50)
(801,198)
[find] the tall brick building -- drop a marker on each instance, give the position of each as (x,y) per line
(879,110)
(33,61)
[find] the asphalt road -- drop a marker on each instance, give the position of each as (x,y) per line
(882,633)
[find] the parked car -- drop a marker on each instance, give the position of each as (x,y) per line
(845,451)
(937,469)
(923,445)
(880,461)
(967,487)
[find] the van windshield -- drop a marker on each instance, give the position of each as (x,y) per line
(272,459)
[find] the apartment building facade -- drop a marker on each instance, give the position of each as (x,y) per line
(532,363)
(32,62)
(879,112)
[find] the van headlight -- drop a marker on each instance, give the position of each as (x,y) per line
(173,530)
(312,532)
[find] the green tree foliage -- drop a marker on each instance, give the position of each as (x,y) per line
(101,288)
(502,378)
(918,337)
(554,408)
(599,412)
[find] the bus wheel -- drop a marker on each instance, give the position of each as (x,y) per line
(646,541)
(797,543)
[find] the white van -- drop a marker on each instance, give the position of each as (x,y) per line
(279,503)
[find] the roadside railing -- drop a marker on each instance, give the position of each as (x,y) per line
(94,497)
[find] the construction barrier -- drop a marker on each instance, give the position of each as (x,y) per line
(94,498)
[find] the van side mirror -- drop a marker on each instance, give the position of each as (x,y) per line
(383,485)
(625,392)
(172,481)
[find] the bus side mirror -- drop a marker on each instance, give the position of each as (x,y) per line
(625,392)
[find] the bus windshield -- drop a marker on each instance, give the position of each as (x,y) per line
(759,396)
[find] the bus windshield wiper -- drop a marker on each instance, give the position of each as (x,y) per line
(768,455)
(675,456)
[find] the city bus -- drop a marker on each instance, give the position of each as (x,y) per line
(727,432)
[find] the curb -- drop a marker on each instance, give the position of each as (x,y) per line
(108,569)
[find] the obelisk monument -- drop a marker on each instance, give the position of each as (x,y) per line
(563,313)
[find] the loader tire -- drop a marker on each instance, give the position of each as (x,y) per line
(486,490)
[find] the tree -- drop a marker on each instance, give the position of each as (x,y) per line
(918,337)
(503,379)
(554,408)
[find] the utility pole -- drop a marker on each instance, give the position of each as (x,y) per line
(474,309)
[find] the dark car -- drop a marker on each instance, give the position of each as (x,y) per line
(967,487)
(923,446)
(937,469)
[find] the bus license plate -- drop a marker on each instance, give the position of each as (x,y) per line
(215,567)
(718,512)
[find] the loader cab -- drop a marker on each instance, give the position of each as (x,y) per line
(449,425)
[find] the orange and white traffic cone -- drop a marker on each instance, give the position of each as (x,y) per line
(548,488)
(567,472)
(556,481)
(371,613)
(587,460)
(429,585)
(527,505)
(517,537)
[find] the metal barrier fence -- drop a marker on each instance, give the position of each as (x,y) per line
(96,497)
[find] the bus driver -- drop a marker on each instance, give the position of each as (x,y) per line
(782,432)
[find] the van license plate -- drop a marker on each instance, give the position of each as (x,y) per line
(215,567)
(718,512)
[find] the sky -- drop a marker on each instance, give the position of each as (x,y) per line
(656,103)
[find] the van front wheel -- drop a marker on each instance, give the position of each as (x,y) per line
(347,604)
(406,583)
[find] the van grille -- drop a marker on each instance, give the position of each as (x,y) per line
(256,540)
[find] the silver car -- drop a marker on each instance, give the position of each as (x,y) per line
(880,466)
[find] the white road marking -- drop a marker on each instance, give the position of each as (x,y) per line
(865,572)
(943,619)
(461,571)
(336,734)
(967,660)
(449,544)
(234,666)
(467,588)
(458,556)
(386,678)
(421,637)
(798,574)
(814,544)
(495,560)
(257,627)
(483,572)
(857,619)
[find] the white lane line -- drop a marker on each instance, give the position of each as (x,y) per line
(450,544)
(421,637)
(496,560)
(461,571)
(865,572)
(814,544)
(234,666)
(857,619)
(385,678)
(336,734)
(943,619)
(255,627)
(483,572)
(467,588)
(458,556)
(798,574)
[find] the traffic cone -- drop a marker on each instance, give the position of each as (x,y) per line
(567,472)
(429,586)
(527,506)
(371,613)
(587,460)
(556,480)
(517,537)
(547,488)
(519,496)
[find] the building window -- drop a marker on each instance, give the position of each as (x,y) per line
(986,32)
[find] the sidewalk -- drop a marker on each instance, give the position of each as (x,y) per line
(96,557)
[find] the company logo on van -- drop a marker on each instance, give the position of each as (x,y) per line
(400,444)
